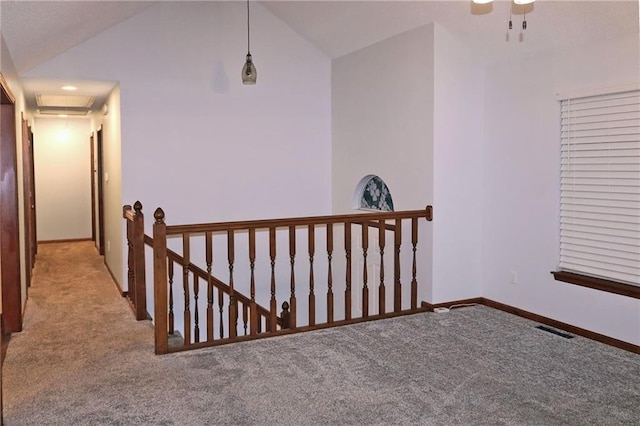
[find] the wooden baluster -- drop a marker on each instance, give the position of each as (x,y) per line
(221,311)
(273,321)
(347,250)
(209,260)
(414,282)
(196,316)
(397,286)
(329,273)
(185,286)
(381,288)
(254,326)
(233,307)
(139,275)
(312,296)
(292,260)
(365,288)
(160,282)
(130,256)
(285,315)
(171,316)
(245,317)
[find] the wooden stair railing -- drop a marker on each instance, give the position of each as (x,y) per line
(217,284)
(392,296)
(136,292)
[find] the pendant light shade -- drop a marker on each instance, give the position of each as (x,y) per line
(522,2)
(482,1)
(249,72)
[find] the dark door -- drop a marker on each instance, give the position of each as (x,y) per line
(93,188)
(29,202)
(9,235)
(100,180)
(34,232)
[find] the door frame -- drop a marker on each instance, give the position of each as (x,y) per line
(34,220)
(93,187)
(29,205)
(9,220)
(100,189)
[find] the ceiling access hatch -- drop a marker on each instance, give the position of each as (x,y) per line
(61,111)
(65,101)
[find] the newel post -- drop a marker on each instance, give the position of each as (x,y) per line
(139,263)
(160,282)
(127,214)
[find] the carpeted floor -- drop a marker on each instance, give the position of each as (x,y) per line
(82,359)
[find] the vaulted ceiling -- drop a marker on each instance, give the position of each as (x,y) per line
(36,31)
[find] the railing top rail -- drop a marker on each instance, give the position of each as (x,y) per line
(426,213)
(129,212)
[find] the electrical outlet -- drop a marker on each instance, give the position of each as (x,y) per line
(513,277)
(108,245)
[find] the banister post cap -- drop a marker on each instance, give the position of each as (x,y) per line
(159,215)
(137,206)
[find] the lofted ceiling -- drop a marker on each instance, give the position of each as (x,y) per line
(36,31)
(341,27)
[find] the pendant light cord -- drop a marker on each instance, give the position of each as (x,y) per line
(248,30)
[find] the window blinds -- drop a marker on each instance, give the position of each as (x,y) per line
(600,186)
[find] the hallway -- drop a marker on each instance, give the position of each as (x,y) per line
(76,326)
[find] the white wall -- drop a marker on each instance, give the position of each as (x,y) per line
(62,178)
(115,236)
(195,141)
(457,169)
(521,188)
(382,113)
(409,109)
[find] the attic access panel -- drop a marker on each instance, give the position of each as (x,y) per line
(65,101)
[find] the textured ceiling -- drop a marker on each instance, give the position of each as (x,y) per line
(341,27)
(36,31)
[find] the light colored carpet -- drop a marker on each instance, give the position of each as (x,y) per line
(82,359)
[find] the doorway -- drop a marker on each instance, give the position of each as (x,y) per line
(9,231)
(100,188)
(28,180)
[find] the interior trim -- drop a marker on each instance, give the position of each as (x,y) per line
(541,319)
(113,278)
(598,283)
(6,90)
(69,240)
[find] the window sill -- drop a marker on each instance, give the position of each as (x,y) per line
(598,284)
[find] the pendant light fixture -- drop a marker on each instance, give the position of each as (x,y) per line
(249,73)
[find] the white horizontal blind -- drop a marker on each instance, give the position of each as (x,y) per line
(600,186)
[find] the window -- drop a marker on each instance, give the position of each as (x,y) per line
(373,194)
(600,189)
